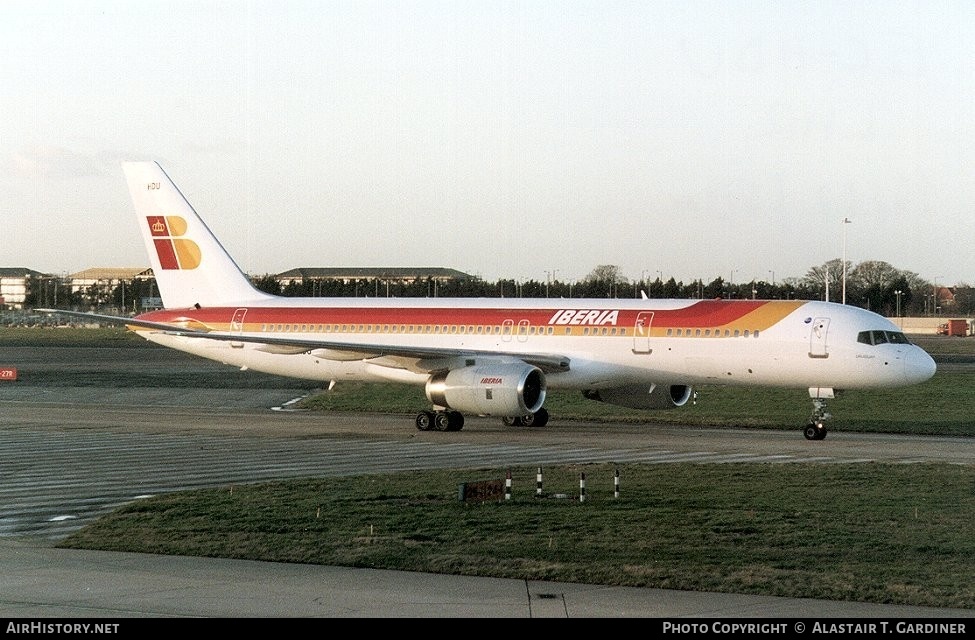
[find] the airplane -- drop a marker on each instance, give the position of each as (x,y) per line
(499,357)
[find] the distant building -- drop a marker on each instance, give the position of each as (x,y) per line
(369,274)
(95,285)
(106,277)
(13,285)
(955,300)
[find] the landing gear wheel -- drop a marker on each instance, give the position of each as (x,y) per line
(509,422)
(537,419)
(814,431)
(441,421)
(424,420)
(455,421)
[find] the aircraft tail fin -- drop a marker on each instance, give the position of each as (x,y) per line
(189,263)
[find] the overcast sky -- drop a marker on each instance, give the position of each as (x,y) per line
(521,140)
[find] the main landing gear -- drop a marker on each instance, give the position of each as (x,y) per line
(440,420)
(816,428)
(537,419)
(454,420)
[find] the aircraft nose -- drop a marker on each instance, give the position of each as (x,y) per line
(919,366)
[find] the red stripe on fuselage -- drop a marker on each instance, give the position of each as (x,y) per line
(705,313)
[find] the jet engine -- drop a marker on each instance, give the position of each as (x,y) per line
(638,396)
(506,390)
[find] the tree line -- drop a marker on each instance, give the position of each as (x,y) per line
(874,285)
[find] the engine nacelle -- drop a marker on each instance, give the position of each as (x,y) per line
(506,390)
(638,396)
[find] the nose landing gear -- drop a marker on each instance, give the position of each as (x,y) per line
(816,428)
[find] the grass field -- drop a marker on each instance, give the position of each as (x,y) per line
(861,532)
(858,532)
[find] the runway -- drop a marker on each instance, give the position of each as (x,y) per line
(63,465)
(71,454)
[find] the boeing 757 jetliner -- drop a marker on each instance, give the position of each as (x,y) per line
(498,357)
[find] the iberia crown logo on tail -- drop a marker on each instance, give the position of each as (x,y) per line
(174,251)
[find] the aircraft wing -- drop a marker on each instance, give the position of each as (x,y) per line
(112,319)
(547,362)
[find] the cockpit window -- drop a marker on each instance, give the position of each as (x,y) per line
(882,337)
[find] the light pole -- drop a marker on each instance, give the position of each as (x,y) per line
(898,294)
(846,221)
(826,281)
(549,276)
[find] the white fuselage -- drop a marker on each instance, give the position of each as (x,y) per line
(607,343)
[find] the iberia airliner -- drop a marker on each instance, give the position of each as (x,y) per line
(499,357)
